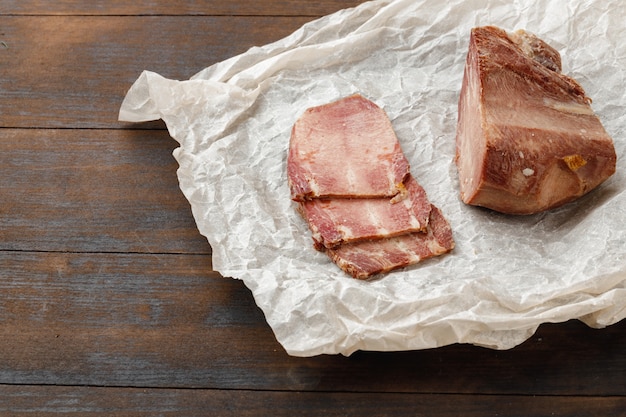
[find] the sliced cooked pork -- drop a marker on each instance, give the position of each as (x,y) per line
(337,221)
(364,259)
(345,149)
(527,138)
(352,185)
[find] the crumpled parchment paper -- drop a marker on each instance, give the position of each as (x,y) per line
(507,274)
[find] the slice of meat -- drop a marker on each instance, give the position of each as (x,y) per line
(527,139)
(337,221)
(345,149)
(365,259)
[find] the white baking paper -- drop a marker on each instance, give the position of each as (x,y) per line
(507,274)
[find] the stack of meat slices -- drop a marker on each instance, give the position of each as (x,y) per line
(353,186)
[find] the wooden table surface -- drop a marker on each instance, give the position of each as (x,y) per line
(108,303)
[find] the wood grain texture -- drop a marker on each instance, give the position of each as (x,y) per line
(168,321)
(133,402)
(108,301)
(93,191)
(74,71)
(178,7)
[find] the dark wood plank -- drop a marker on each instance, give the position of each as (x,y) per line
(94,401)
(166,320)
(74,71)
(178,7)
(93,191)
(108,301)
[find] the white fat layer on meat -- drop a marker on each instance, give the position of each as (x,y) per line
(391,178)
(315,189)
(345,231)
(412,256)
(374,218)
(408,203)
(435,247)
(568,107)
(352,178)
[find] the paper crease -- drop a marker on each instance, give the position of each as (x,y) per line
(506,276)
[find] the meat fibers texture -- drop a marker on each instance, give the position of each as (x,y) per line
(367,258)
(345,149)
(527,138)
(348,220)
(353,187)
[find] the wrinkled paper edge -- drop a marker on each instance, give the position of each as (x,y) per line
(238,82)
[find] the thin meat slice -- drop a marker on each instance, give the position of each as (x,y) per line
(365,259)
(345,149)
(527,138)
(337,221)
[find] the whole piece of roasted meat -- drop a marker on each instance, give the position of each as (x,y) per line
(527,138)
